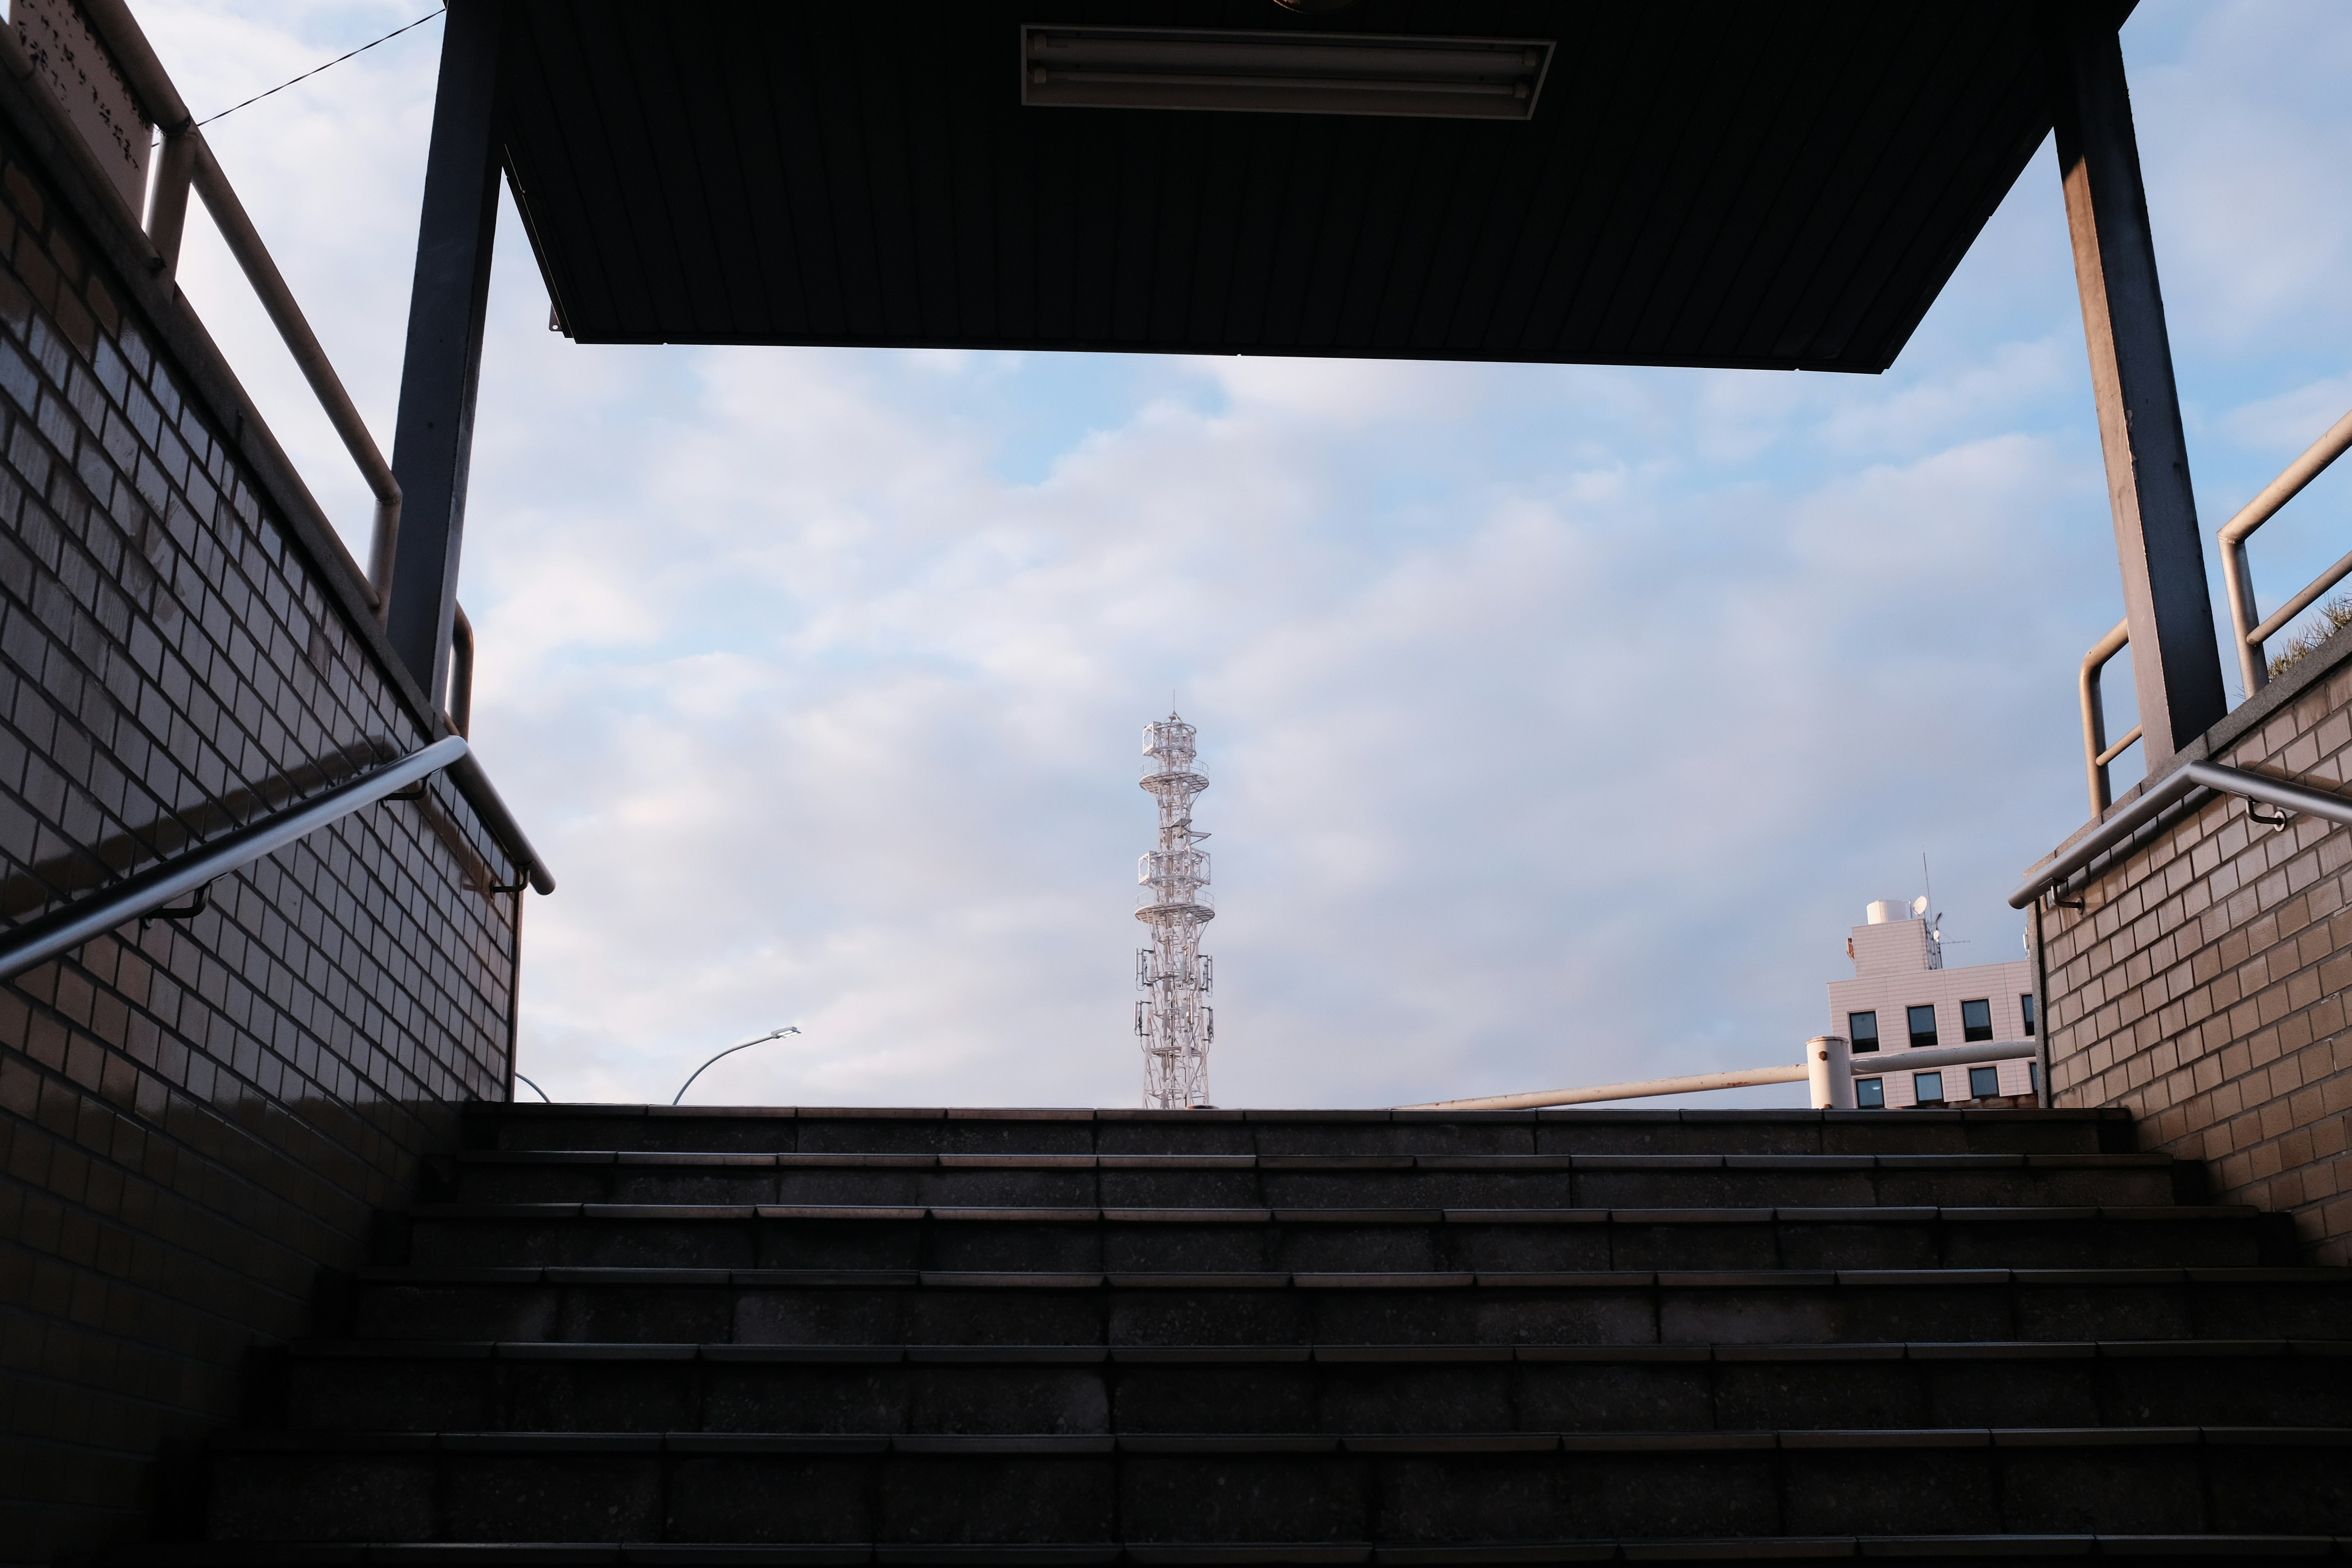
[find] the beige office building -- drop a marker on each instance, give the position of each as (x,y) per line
(1903,998)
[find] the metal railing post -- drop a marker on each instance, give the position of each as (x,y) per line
(2040,1004)
(187,160)
(261,271)
(1829,1071)
(2096,753)
(167,204)
(461,672)
(383,543)
(2238,583)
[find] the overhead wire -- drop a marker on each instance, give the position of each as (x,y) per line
(314,70)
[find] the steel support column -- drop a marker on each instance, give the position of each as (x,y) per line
(432,445)
(2176,658)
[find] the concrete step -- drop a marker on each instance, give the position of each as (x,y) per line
(1065,1390)
(1282,1309)
(1404,1490)
(630,1334)
(1321,1181)
(1085,1237)
(806,1129)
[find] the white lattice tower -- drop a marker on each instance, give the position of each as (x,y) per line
(1174,1021)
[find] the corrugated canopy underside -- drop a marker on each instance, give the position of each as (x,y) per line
(1781,183)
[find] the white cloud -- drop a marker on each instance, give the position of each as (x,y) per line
(2251,129)
(1560,719)
(2284,426)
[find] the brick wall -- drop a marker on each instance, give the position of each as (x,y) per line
(195,1115)
(2203,985)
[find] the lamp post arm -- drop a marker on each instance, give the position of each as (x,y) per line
(763,1039)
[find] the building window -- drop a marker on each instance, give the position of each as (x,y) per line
(1870,1094)
(1923,1026)
(1983,1082)
(2025,1007)
(1862,1031)
(1927,1088)
(2033,1078)
(1976,1020)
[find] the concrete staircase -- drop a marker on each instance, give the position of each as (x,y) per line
(657,1336)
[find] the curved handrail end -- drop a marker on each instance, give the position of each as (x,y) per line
(2182,782)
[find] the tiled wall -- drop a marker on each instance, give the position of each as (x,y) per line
(195,1115)
(2203,985)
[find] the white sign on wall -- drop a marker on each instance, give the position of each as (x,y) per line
(67,57)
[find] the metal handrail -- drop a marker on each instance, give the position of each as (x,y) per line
(186,161)
(1642,1088)
(2189,779)
(182,168)
(460,705)
(2237,573)
(1869,1064)
(2246,631)
(261,271)
(472,782)
(2096,753)
(38,940)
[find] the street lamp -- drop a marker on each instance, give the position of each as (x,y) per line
(763,1039)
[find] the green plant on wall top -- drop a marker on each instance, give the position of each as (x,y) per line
(2335,616)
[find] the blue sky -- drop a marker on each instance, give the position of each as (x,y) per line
(1560,719)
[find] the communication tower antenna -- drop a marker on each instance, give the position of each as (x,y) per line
(1174,1022)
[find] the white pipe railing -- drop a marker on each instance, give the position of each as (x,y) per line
(1928,1058)
(2248,632)
(1694,1083)
(2237,573)
(261,271)
(2096,753)
(184,167)
(187,163)
(1830,1066)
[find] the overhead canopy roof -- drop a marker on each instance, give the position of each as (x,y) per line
(1781,183)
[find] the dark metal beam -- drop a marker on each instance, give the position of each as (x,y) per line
(2176,658)
(432,445)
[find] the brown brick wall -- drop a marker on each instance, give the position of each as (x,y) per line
(2204,983)
(196,1115)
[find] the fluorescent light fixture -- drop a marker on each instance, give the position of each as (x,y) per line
(1282,72)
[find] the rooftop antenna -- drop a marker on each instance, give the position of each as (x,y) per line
(1936,921)
(1174,1023)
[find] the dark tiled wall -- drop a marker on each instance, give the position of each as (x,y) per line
(196,1115)
(2204,983)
